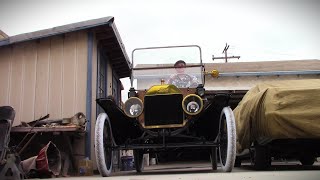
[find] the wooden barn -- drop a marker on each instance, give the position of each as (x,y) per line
(62,71)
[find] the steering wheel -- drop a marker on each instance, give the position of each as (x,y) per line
(180,80)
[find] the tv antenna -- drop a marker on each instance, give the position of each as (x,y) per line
(225,51)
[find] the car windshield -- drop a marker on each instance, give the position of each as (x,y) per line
(177,65)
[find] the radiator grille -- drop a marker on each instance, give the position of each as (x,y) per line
(163,110)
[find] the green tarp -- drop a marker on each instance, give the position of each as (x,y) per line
(279,110)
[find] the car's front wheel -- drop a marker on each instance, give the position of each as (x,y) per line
(103,145)
(227,139)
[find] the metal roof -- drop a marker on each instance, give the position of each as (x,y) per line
(106,34)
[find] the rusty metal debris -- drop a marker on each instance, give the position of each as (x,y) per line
(79,119)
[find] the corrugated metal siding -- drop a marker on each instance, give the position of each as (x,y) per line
(47,76)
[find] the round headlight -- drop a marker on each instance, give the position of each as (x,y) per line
(193,107)
(192,104)
(133,107)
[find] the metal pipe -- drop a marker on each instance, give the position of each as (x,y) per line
(24,147)
(177,145)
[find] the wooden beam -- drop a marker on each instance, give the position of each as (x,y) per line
(46,129)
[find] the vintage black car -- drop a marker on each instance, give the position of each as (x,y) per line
(161,114)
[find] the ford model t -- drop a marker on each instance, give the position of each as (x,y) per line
(167,108)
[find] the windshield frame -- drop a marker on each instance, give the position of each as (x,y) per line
(162,47)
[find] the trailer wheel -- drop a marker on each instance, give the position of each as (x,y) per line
(262,159)
(307,160)
(227,139)
(138,160)
(103,144)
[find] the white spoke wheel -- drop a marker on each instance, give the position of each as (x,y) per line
(227,139)
(103,144)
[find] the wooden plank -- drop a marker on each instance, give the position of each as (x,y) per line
(55,80)
(42,76)
(81,74)
(5,67)
(16,85)
(69,78)
(29,79)
(46,129)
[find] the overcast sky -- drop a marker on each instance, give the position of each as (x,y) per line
(255,29)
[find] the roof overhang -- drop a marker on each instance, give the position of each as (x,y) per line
(111,44)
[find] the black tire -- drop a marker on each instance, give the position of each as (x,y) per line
(262,159)
(307,160)
(227,139)
(213,158)
(138,160)
(103,145)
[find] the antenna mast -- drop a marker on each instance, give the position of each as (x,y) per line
(225,54)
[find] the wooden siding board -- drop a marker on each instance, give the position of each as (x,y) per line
(55,81)
(42,78)
(48,76)
(16,88)
(69,66)
(29,81)
(81,84)
(5,66)
(81,73)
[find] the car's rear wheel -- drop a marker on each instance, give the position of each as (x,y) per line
(103,144)
(138,160)
(227,139)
